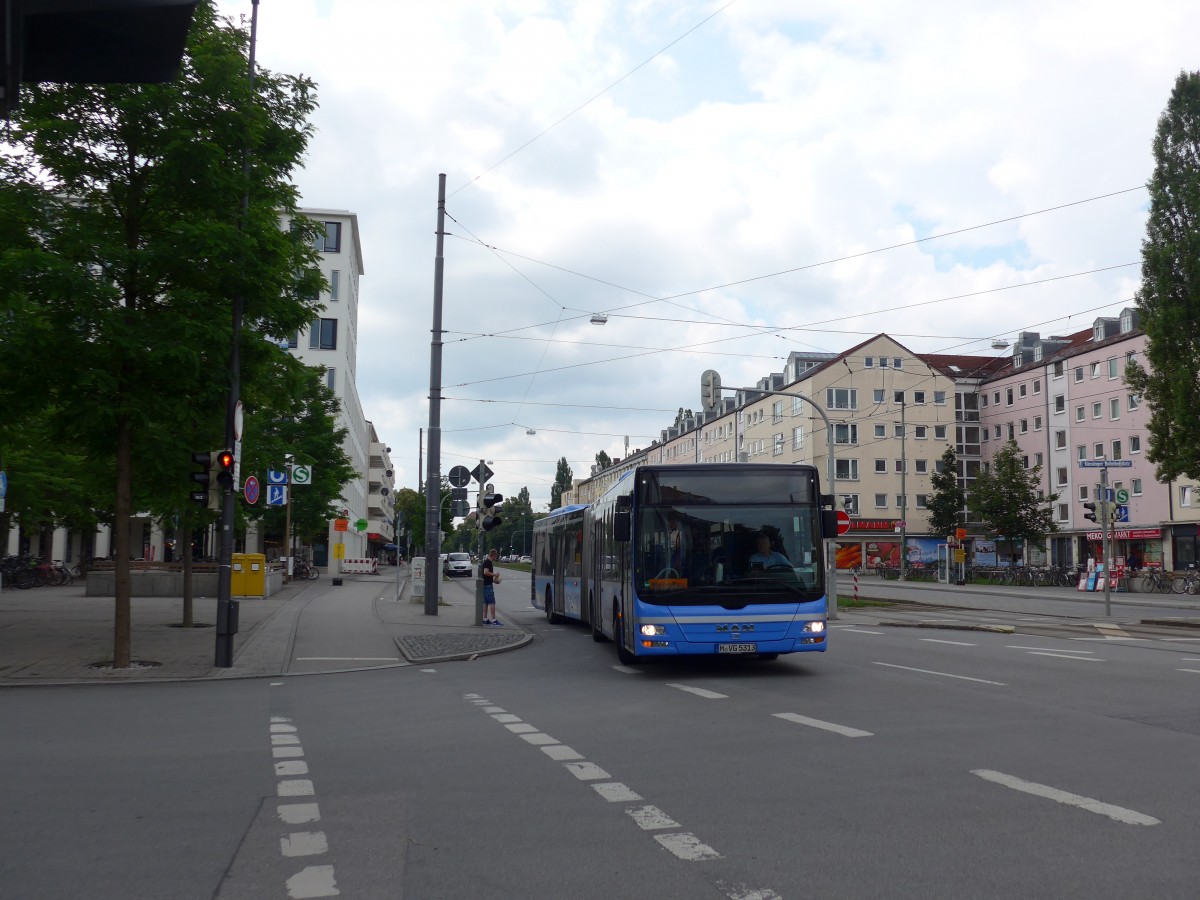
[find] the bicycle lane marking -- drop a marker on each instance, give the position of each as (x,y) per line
(311,881)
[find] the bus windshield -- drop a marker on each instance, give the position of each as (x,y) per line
(728,554)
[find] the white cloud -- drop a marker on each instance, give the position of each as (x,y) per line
(774,137)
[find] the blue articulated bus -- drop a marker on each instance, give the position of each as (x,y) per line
(558,567)
(693,560)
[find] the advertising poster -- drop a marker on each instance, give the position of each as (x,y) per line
(881,553)
(923,551)
(985,553)
(849,554)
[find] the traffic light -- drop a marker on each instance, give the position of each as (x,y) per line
(1091,511)
(490,517)
(224,469)
(207,493)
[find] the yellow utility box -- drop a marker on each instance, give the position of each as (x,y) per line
(253,575)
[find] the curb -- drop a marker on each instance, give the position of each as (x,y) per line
(473,646)
(948,626)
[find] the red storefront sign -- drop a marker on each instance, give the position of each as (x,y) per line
(874,524)
(1126,534)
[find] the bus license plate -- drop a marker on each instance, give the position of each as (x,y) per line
(737,648)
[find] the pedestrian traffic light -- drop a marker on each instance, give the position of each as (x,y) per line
(491,511)
(1091,511)
(207,493)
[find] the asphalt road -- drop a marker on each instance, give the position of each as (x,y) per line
(904,762)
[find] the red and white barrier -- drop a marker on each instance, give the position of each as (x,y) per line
(360,567)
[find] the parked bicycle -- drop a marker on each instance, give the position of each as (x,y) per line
(302,571)
(1156,580)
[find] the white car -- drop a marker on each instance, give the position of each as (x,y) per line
(525,559)
(458,564)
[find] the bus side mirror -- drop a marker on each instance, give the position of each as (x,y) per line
(621,525)
(829,523)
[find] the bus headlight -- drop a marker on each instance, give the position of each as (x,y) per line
(651,630)
(814,627)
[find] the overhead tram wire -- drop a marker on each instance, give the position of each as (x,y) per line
(806,267)
(593,99)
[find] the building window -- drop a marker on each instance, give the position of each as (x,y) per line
(1012,433)
(1097,410)
(921,501)
(1078,374)
(898,431)
(1114,408)
(1025,461)
(1113,371)
(897,363)
(293,340)
(849,503)
(1081,451)
(331,240)
(1037,386)
(899,466)
(881,501)
(1060,475)
(1063,512)
(335,278)
(1080,414)
(1037,459)
(1058,369)
(1008,397)
(921,432)
(868,362)
(997,430)
(323,335)
(939,432)
(877,396)
(1060,403)
(777,450)
(777,412)
(845,469)
(1185,495)
(1060,440)
(1134,402)
(939,398)
(918,397)
(1021,389)
(883,362)
(1095,370)
(1135,443)
(880,431)
(1083,492)
(1024,426)
(881,466)
(1116,450)
(900,501)
(331,379)
(922,466)
(1037,423)
(1098,450)
(898,397)
(1135,486)
(845,434)
(798,437)
(841,398)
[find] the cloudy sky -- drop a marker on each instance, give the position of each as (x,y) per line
(727,181)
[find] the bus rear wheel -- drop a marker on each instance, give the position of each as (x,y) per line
(625,656)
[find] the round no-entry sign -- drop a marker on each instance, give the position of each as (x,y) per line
(843,521)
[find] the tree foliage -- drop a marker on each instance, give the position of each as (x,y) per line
(122,239)
(946,498)
(562,482)
(603,461)
(1168,302)
(1005,498)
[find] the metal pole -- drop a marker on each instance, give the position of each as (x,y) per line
(1107,548)
(227,616)
(433,481)
(903,493)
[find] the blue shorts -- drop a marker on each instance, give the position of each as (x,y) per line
(489,594)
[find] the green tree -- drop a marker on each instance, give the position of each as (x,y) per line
(946,498)
(603,461)
(562,482)
(1005,498)
(1168,302)
(122,239)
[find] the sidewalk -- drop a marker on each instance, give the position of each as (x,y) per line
(56,635)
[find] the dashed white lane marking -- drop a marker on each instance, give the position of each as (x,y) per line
(280,728)
(291,767)
(861,631)
(298,813)
(687,846)
(506,717)
(650,818)
(1064,656)
(615,792)
(278,740)
(741,892)
(627,670)
(955,643)
(1196,671)
(276,684)
(314,881)
(699,692)
(1178,640)
(942,674)
(304,843)
(827,726)
(1054,649)
(586,771)
(1117,813)
(1191,659)
(561,752)
(1112,632)
(538,739)
(494,709)
(295,787)
(286,752)
(521,728)
(428,671)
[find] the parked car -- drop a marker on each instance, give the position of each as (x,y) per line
(525,559)
(458,564)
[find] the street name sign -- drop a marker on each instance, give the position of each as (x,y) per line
(1105,463)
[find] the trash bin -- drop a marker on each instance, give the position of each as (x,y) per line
(254,574)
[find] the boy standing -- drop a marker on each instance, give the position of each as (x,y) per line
(490,577)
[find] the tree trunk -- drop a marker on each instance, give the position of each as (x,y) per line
(185,528)
(122,513)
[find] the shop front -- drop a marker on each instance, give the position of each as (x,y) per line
(1137,548)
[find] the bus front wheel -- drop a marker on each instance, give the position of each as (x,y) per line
(625,656)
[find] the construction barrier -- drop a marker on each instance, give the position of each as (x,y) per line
(360,567)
